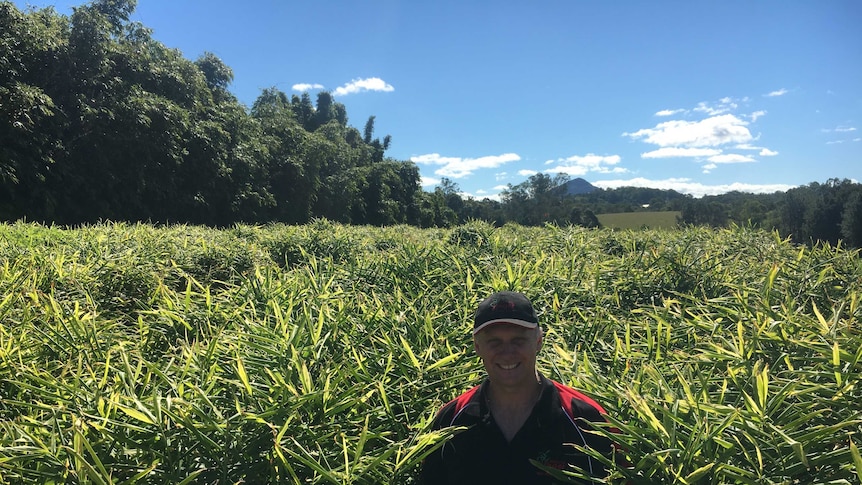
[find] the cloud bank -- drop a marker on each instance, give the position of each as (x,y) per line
(578,165)
(302,87)
(355,86)
(457,167)
(706,139)
(710,132)
(696,189)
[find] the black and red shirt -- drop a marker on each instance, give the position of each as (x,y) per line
(480,454)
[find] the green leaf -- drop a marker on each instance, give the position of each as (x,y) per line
(134,413)
(406,345)
(857,459)
(697,474)
(243,376)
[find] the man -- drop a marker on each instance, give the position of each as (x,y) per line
(516,414)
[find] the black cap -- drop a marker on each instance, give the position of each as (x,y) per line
(505,307)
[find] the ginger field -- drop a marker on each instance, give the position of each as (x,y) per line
(319,354)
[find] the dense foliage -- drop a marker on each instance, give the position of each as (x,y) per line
(319,353)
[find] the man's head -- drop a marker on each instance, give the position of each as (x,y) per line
(505,307)
(507,337)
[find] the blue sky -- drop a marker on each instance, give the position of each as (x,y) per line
(700,97)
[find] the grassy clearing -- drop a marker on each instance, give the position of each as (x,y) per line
(318,354)
(640,220)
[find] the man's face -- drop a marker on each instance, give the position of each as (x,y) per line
(509,353)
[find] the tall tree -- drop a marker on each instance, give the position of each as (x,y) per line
(325,109)
(851,219)
(30,119)
(116,12)
(368,132)
(216,72)
(303,110)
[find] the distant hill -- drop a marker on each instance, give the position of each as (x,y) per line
(578,186)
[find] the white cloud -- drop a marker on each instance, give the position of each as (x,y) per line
(527,173)
(669,112)
(839,129)
(704,138)
(757,114)
(580,165)
(501,187)
(686,186)
(677,152)
(723,106)
(780,92)
(730,158)
(710,132)
(428,181)
(456,167)
(359,85)
(306,87)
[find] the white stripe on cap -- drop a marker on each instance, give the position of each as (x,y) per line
(514,321)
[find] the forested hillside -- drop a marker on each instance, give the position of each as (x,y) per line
(99,121)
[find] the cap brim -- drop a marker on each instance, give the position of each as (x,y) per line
(513,321)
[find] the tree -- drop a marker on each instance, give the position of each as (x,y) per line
(389,189)
(325,109)
(538,200)
(450,194)
(791,213)
(705,211)
(822,216)
(368,133)
(116,12)
(216,72)
(271,103)
(589,219)
(303,110)
(851,220)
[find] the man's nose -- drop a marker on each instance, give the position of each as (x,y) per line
(509,347)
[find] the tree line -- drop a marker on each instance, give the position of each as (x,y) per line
(828,212)
(818,212)
(99,121)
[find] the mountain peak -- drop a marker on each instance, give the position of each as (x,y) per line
(578,186)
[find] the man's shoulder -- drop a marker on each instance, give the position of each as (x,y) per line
(583,412)
(450,411)
(577,404)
